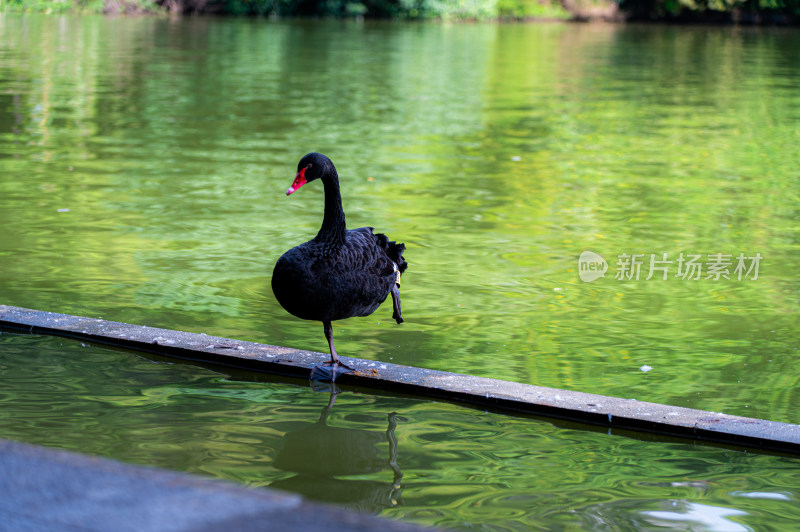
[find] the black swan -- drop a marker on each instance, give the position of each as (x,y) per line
(340,273)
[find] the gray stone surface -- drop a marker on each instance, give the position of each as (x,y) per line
(613,412)
(48,490)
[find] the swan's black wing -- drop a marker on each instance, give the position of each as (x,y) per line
(367,269)
(316,283)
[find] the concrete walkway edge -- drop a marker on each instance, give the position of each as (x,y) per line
(45,490)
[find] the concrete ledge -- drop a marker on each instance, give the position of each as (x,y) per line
(612,412)
(44,490)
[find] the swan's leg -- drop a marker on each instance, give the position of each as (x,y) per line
(397,315)
(329,336)
(335,367)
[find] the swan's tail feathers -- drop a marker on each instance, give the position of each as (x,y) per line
(396,254)
(394,251)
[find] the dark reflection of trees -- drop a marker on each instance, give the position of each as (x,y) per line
(320,454)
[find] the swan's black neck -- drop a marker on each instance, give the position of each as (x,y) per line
(333,224)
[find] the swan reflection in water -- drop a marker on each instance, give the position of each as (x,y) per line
(320,454)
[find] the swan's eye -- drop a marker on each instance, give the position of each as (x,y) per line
(309,165)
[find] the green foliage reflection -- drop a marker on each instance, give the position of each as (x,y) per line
(144,163)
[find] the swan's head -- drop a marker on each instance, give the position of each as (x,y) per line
(312,166)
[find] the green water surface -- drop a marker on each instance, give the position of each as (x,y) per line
(143,165)
(401,458)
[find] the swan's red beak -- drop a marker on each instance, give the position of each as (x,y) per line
(299,181)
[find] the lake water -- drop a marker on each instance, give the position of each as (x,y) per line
(143,165)
(398,457)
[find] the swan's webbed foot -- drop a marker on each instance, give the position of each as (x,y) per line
(396,313)
(329,371)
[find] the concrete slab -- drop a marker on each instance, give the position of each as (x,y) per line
(612,412)
(45,490)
